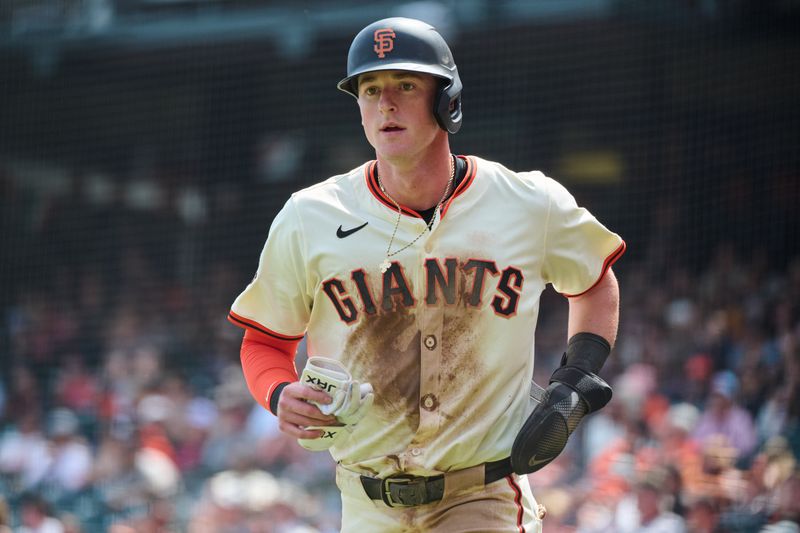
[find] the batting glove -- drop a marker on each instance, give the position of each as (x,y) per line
(331,436)
(328,375)
(350,400)
(358,401)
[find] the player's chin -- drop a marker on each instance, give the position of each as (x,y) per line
(392,148)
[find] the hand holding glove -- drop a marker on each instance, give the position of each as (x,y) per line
(350,400)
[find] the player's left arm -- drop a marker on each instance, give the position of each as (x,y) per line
(577,256)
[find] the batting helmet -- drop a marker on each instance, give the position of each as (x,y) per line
(407,44)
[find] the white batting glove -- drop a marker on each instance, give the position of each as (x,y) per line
(357,403)
(331,435)
(350,400)
(327,375)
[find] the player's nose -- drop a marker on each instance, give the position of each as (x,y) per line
(386,102)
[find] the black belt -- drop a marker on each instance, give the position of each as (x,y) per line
(409,491)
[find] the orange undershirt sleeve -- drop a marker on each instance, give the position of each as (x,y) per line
(268,366)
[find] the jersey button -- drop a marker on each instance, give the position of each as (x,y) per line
(429,402)
(430,342)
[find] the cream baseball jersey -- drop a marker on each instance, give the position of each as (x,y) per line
(445,335)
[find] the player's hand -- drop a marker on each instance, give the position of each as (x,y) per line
(296,411)
(350,399)
(347,401)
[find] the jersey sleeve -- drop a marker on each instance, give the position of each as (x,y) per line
(578,249)
(268,366)
(278,302)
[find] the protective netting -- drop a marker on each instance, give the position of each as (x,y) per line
(140,170)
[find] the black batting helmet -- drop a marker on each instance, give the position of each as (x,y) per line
(407,44)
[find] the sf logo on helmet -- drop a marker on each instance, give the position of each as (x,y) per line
(384,41)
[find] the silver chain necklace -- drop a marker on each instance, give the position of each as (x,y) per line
(384,266)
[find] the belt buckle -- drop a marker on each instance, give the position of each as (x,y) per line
(404,491)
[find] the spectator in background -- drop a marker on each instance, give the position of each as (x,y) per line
(36,516)
(156,458)
(719,482)
(702,516)
(774,415)
(785,517)
(69,462)
(2,401)
(24,451)
(723,416)
(22,399)
(159,518)
(121,488)
(246,498)
(192,418)
(676,449)
(276,450)
(71,523)
(754,493)
(647,509)
(230,427)
(76,386)
(5,516)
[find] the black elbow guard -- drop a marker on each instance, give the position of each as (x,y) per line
(575,390)
(585,356)
(587,351)
(591,388)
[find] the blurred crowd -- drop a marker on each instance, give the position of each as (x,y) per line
(123,407)
(122,403)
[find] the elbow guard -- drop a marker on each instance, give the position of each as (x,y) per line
(585,356)
(575,390)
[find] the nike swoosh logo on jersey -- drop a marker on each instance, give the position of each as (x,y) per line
(342,233)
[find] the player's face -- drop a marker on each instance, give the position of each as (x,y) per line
(397,112)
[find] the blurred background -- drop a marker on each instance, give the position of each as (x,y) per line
(145,146)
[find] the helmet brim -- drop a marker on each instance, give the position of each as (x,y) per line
(347,85)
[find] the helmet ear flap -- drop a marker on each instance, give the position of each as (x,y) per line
(447,105)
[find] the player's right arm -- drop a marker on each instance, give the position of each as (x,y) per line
(268,367)
(274,310)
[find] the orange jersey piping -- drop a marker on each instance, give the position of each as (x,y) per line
(469,177)
(252,324)
(610,260)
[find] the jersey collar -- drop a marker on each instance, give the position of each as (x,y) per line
(371,177)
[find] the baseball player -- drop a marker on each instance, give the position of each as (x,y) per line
(416,279)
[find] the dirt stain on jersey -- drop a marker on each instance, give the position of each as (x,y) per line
(384,350)
(462,366)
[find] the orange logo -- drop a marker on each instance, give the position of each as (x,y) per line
(384,41)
